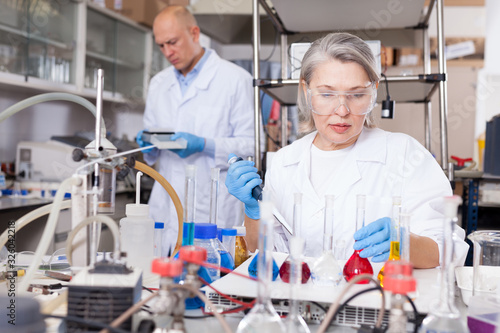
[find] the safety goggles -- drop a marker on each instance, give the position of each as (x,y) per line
(326,102)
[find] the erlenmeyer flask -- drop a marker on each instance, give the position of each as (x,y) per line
(294,322)
(263,317)
(285,269)
(357,265)
(446,317)
(326,270)
(395,237)
(227,260)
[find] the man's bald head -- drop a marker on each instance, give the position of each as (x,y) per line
(178,36)
(180,14)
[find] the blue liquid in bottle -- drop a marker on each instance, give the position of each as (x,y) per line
(226,261)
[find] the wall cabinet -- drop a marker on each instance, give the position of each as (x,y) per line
(48,45)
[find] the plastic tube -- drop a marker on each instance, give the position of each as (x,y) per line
(113,227)
(171,192)
(48,232)
(30,217)
(47,98)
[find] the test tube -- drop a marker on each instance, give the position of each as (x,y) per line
(214,193)
(189,205)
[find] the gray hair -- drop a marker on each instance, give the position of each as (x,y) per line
(339,46)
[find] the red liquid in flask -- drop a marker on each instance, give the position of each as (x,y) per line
(285,271)
(356,266)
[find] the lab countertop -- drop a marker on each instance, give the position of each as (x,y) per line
(7,203)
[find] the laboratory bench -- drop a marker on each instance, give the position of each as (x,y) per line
(425,297)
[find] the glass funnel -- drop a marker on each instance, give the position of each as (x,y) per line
(395,237)
(263,317)
(357,265)
(285,269)
(446,317)
(326,270)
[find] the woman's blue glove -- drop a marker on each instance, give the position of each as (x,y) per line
(241,178)
(375,239)
(195,144)
(142,143)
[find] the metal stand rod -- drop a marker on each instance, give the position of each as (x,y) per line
(256,74)
(443,97)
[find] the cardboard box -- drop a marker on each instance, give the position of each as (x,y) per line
(144,11)
(409,57)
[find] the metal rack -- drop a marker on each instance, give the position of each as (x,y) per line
(402,25)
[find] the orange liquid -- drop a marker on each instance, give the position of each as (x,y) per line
(394,254)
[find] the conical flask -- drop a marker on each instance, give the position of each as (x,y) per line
(326,270)
(357,265)
(286,267)
(395,237)
(446,317)
(227,260)
(263,317)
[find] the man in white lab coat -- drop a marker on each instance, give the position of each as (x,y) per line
(345,156)
(207,101)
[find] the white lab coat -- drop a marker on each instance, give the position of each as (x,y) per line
(380,165)
(218,105)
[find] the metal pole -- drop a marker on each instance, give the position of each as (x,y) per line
(256,74)
(284,74)
(428,106)
(443,98)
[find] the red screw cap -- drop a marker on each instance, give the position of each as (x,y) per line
(166,267)
(193,253)
(398,277)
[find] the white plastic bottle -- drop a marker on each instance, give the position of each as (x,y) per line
(137,234)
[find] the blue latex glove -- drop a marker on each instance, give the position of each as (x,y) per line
(241,178)
(142,143)
(195,144)
(374,239)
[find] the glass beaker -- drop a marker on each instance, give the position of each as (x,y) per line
(486,261)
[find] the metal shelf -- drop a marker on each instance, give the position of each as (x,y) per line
(403,89)
(370,16)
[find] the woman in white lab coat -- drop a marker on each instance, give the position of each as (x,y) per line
(344,155)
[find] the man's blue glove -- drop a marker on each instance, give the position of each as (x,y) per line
(241,178)
(375,239)
(142,143)
(195,144)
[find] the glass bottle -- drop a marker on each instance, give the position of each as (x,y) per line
(326,270)
(285,268)
(446,317)
(263,317)
(240,246)
(395,237)
(189,205)
(205,235)
(357,265)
